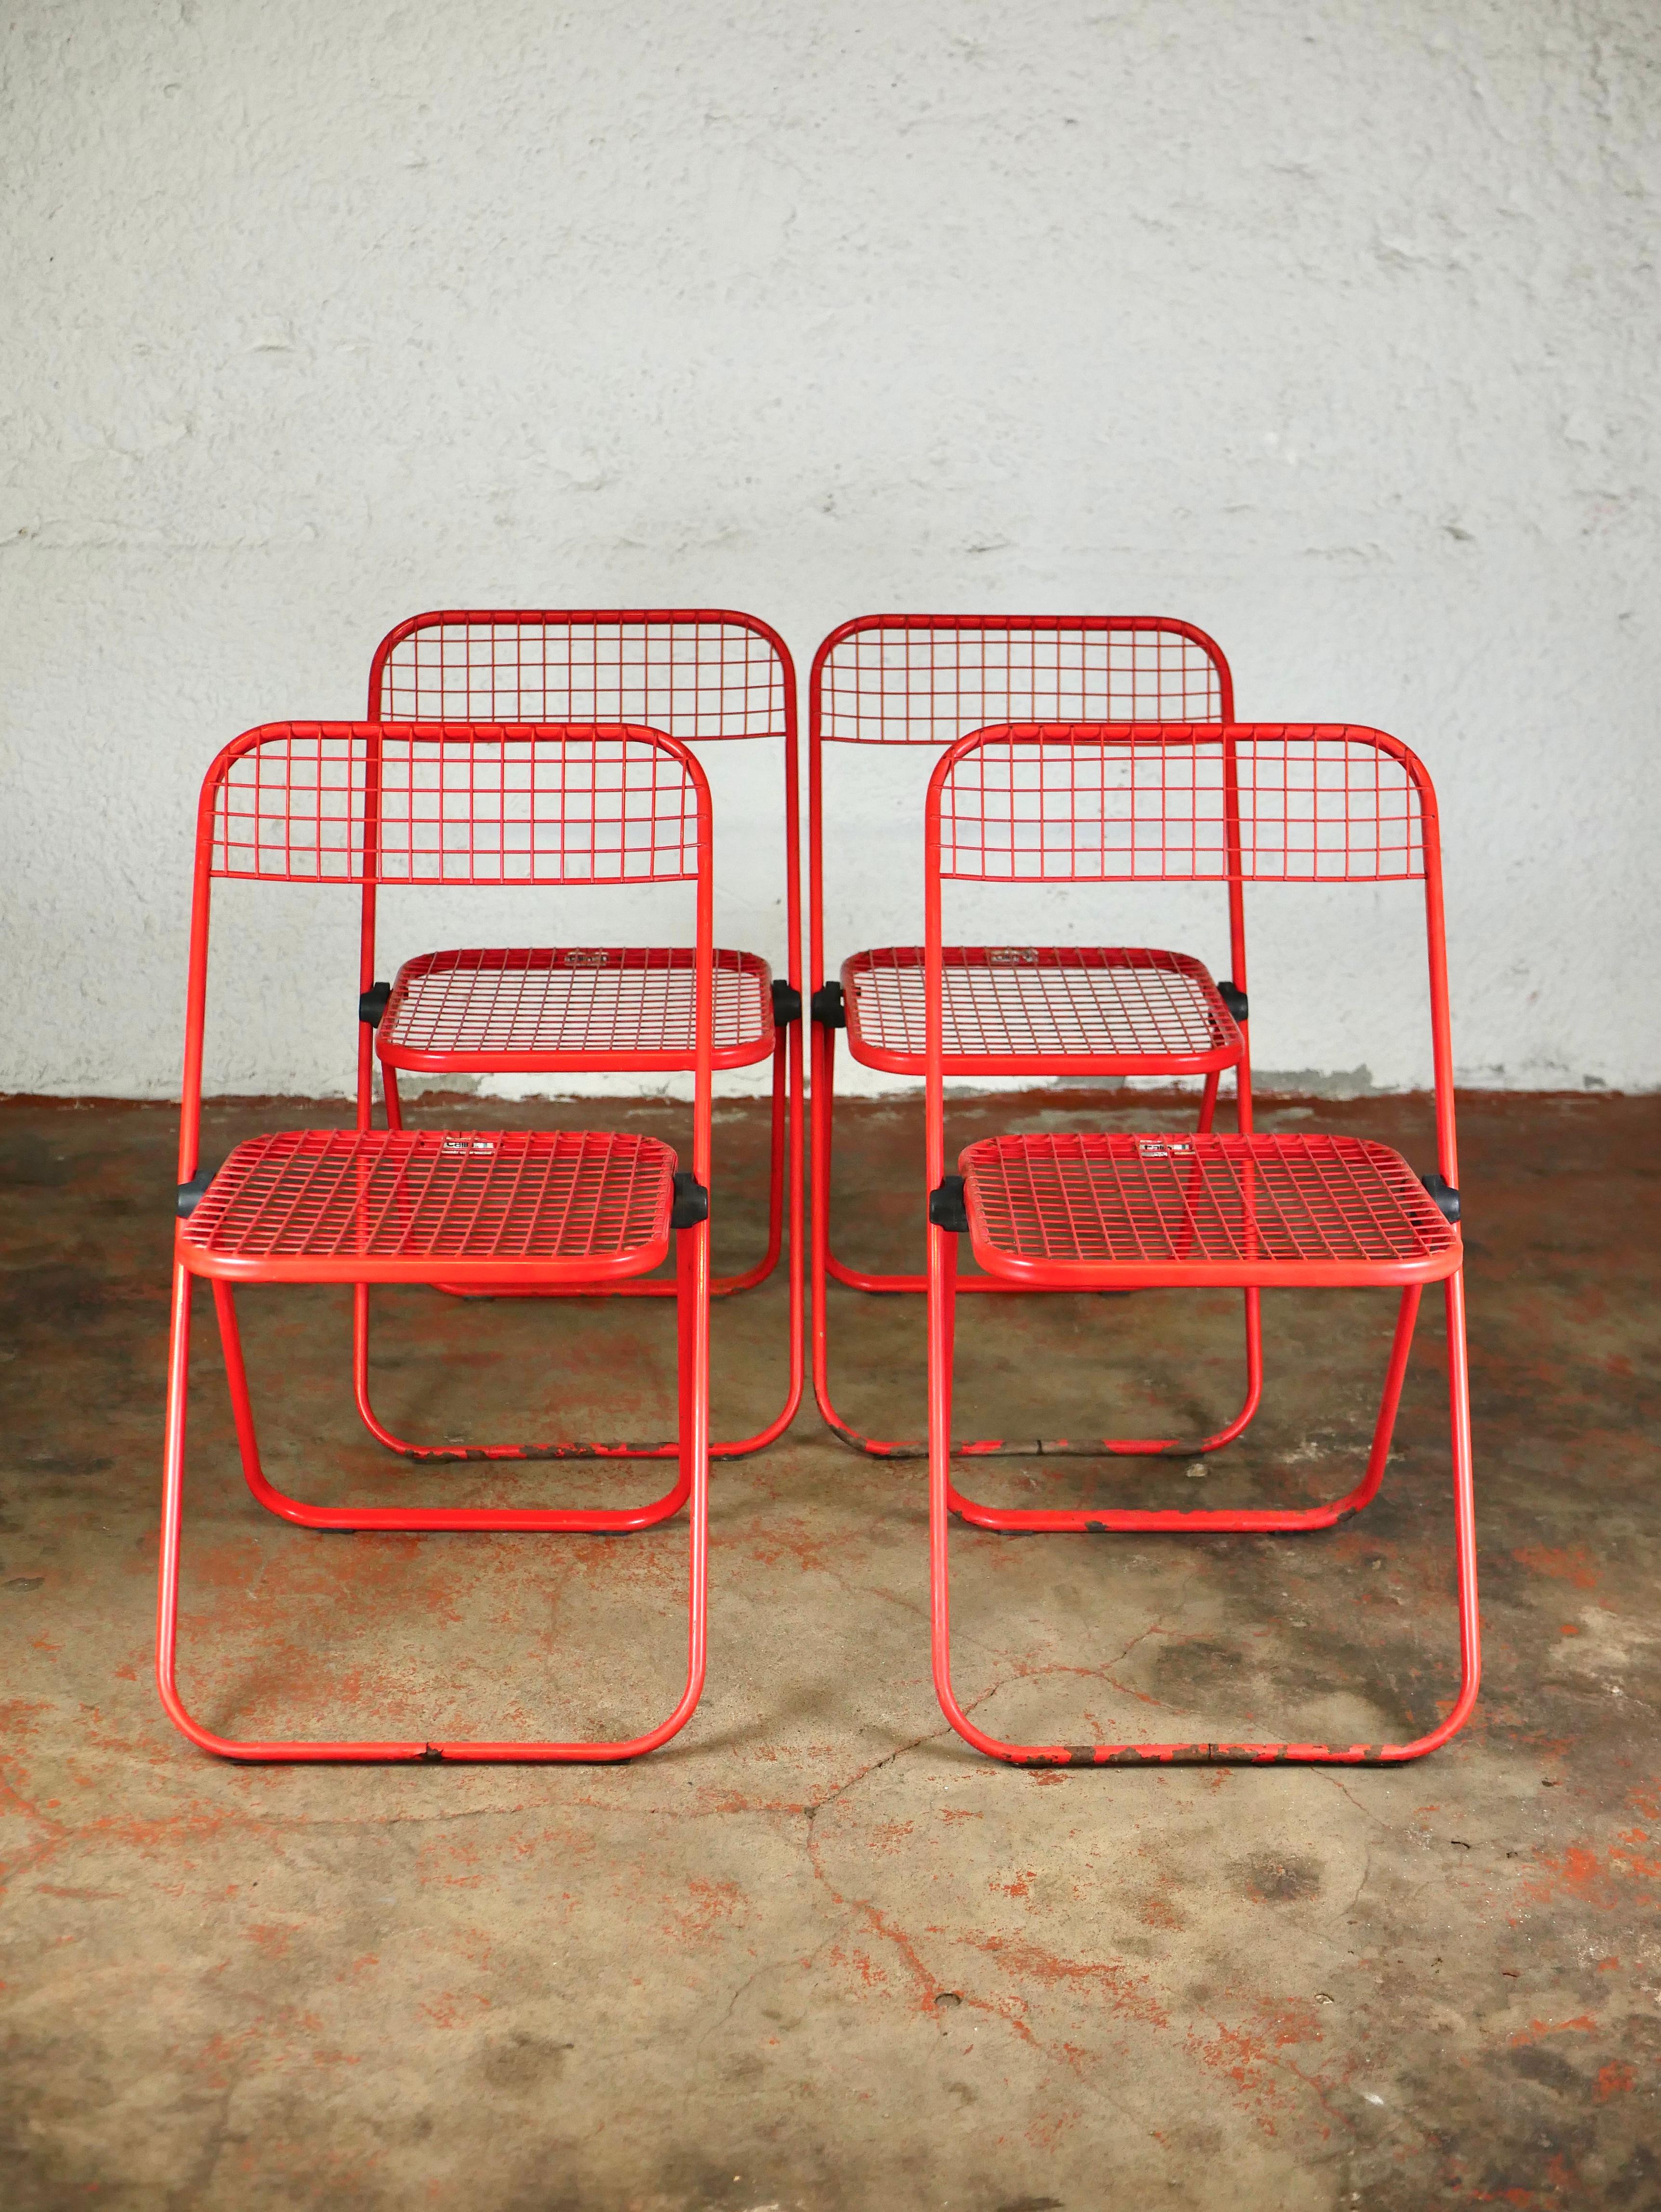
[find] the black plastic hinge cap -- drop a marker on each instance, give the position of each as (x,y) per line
(947,1208)
(691,1203)
(1236,1000)
(828,1007)
(786,1005)
(191,1193)
(372,1003)
(1444,1195)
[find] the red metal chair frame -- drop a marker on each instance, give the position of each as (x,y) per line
(1124,1212)
(699,674)
(353,803)
(955,673)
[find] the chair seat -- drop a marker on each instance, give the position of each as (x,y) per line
(1085,1212)
(1041,1009)
(395,1206)
(521,1010)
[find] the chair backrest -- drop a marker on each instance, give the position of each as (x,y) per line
(929,679)
(456,803)
(1251,802)
(695,672)
(926,679)
(1077,803)
(432,803)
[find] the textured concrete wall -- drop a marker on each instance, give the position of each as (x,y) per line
(1327,324)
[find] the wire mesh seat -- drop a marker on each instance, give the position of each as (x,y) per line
(387,1205)
(524,1011)
(1097,1211)
(1084,1211)
(1085,1013)
(700,675)
(1048,1006)
(369,803)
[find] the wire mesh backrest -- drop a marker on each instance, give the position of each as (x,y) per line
(694,674)
(1068,803)
(433,803)
(928,679)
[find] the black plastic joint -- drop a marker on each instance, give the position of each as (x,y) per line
(1236,1000)
(372,1003)
(1443,1194)
(828,1007)
(946,1206)
(691,1203)
(786,1005)
(191,1193)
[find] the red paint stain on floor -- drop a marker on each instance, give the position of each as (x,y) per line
(1559,1564)
(1582,2024)
(1613,2080)
(711,1906)
(1603,1882)
(1125,1994)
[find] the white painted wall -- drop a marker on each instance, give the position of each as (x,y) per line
(1329,324)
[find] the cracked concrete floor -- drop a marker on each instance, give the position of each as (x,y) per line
(817,1954)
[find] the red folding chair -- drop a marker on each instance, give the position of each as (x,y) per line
(390,803)
(1084,1013)
(1312,803)
(699,674)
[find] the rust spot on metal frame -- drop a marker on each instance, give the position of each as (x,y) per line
(491,1454)
(1209,1755)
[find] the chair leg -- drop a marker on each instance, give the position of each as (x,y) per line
(726,1286)
(826,1268)
(408,1518)
(720,1286)
(166,1615)
(825,1264)
(821,1075)
(1135,1754)
(1464,1514)
(692,1391)
(784,1154)
(693,1388)
(1238,1520)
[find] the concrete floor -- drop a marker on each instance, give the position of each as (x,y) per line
(816,1954)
